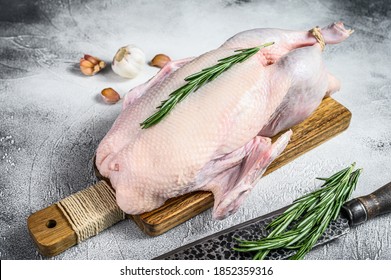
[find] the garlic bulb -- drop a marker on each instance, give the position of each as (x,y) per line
(128,61)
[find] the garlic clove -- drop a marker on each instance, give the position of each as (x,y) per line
(87,70)
(160,60)
(91,59)
(102,64)
(90,65)
(128,62)
(86,63)
(110,96)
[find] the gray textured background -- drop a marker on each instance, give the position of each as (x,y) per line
(52,119)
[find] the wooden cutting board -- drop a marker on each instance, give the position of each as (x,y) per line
(53,234)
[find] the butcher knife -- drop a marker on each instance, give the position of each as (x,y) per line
(219,246)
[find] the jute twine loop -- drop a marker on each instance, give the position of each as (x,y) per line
(318,36)
(92,210)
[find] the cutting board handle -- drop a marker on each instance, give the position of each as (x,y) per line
(369,206)
(74,219)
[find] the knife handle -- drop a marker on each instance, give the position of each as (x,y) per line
(369,206)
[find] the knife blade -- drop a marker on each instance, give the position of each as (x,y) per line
(219,246)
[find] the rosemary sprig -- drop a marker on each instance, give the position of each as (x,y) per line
(197,80)
(302,224)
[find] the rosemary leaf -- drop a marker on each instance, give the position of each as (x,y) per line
(197,80)
(302,224)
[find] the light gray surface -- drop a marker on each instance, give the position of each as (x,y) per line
(52,119)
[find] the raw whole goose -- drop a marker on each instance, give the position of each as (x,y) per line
(218,138)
